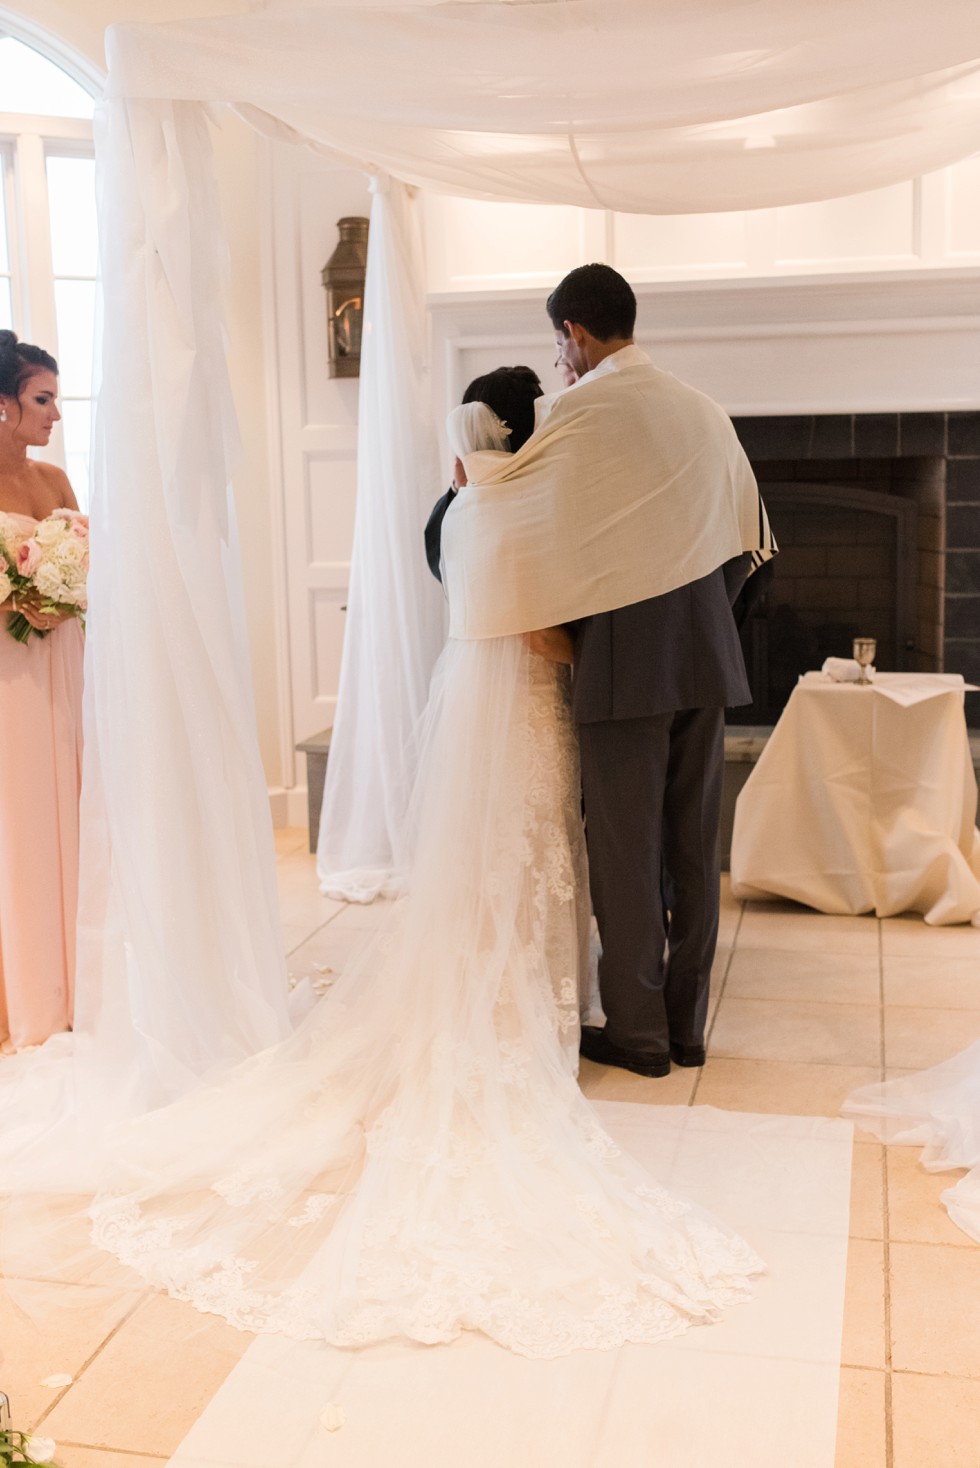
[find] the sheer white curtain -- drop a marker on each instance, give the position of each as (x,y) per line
(180,959)
(177,839)
(395,609)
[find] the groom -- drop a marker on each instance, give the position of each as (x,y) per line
(651,682)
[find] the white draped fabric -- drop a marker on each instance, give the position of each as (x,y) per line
(619,103)
(864,800)
(604,506)
(623,104)
(395,609)
(938,1110)
(180,921)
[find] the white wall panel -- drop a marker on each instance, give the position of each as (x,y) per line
(325,645)
(331,489)
(872,229)
(317,430)
(475,245)
(963,211)
(644,243)
(923,224)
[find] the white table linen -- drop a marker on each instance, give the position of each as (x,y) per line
(864,800)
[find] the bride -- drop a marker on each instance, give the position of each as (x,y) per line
(417,1158)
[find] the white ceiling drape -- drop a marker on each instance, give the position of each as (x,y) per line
(654,106)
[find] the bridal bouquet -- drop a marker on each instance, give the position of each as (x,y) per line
(48,565)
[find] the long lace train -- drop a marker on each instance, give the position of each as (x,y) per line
(417,1159)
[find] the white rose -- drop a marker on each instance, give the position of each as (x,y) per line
(48,581)
(42,1449)
(6,586)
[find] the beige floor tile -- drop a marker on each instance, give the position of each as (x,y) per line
(833,978)
(185,1357)
(935,1421)
(325,953)
(934,1293)
(303,916)
(867,1192)
(363,914)
(780,1087)
(73,1455)
(290,839)
(729,925)
(915,1213)
(910,937)
(46,1330)
(795,1030)
(800,929)
(719,969)
(864,1305)
(861,1419)
(609,1083)
(916,1038)
(938,982)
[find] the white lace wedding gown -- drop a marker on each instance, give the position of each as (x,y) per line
(417,1160)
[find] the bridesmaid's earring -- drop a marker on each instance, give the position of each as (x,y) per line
(3,415)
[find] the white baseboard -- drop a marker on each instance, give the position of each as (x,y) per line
(288,806)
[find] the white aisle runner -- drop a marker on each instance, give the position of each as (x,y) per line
(757,1390)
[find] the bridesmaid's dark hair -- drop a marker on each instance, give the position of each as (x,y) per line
(511,393)
(19,361)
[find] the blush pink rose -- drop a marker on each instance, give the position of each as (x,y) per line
(28,558)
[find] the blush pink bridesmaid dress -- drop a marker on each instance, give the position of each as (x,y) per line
(40,780)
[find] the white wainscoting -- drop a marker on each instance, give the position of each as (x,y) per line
(926,223)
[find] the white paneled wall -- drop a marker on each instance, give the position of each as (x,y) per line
(933,221)
(317,438)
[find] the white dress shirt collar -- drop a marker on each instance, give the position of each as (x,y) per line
(631,356)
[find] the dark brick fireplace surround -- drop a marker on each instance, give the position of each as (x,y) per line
(932,459)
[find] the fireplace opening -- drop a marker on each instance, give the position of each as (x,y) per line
(859,545)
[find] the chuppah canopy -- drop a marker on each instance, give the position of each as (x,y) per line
(633,106)
(658,107)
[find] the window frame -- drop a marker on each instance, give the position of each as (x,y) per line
(28,140)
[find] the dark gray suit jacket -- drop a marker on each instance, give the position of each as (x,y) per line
(677,651)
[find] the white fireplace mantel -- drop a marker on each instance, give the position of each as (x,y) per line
(895,342)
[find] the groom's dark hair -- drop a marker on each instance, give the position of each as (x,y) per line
(511,393)
(597,298)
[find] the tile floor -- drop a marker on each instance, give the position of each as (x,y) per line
(805,1008)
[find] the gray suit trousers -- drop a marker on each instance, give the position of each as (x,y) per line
(652,791)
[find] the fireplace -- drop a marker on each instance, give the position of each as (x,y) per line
(878,521)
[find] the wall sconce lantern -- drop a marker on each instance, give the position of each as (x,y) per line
(343,280)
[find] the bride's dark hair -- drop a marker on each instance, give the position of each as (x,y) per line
(19,361)
(511,393)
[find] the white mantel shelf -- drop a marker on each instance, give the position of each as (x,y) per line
(904,341)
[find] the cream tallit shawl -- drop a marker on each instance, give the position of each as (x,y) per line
(632,485)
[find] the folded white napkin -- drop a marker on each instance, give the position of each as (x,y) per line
(845,670)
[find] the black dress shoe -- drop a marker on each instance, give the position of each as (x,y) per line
(594,1046)
(687,1054)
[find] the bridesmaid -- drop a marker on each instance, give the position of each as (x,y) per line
(40,733)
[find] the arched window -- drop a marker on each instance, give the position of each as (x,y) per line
(48,241)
